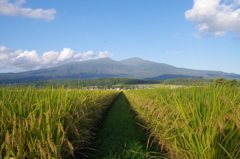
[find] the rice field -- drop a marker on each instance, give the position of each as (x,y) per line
(49,123)
(187,123)
(196,122)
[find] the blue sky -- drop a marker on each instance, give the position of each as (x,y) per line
(196,34)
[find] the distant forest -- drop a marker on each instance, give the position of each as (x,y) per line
(115,82)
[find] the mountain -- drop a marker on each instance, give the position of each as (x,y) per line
(106,68)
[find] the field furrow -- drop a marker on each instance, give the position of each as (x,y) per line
(121,136)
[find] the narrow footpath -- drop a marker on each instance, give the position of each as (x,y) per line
(120,136)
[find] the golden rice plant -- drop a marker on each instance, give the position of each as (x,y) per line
(48,123)
(197,122)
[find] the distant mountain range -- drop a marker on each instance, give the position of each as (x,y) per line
(108,68)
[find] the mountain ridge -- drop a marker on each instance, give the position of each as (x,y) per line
(134,67)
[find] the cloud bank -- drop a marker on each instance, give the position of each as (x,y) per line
(19,60)
(215,17)
(15,9)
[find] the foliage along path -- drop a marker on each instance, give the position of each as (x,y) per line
(120,136)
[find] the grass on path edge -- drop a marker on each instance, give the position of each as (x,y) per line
(120,136)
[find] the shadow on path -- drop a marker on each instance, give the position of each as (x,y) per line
(120,137)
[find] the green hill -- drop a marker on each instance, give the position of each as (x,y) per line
(107,68)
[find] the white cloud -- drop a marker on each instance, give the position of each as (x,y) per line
(104,54)
(66,54)
(215,17)
(26,59)
(82,55)
(19,60)
(3,57)
(50,57)
(15,9)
